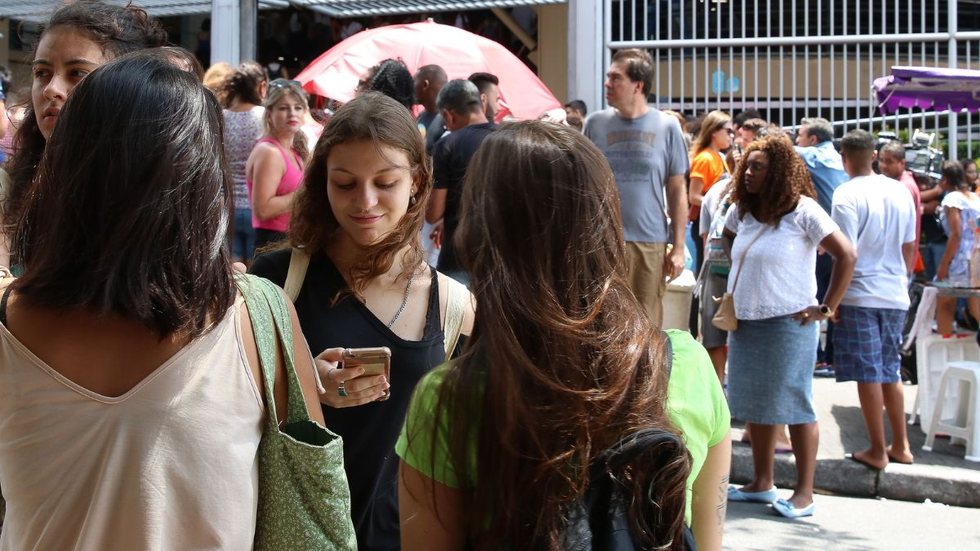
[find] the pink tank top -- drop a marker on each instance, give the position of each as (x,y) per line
(289,182)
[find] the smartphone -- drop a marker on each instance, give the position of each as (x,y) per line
(374,361)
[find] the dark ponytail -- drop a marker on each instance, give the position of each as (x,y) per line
(243,84)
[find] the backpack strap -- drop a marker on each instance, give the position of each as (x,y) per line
(299,261)
(456,295)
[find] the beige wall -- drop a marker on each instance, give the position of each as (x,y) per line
(552,53)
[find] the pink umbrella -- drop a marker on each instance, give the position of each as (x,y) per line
(335,73)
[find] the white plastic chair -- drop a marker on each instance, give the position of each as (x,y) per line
(963,424)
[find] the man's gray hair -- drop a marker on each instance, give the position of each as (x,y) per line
(459,96)
(819,127)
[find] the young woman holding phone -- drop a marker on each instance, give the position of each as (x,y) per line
(356,221)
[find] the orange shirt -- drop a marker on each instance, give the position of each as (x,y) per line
(709,166)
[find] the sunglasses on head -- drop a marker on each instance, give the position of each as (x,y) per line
(284,83)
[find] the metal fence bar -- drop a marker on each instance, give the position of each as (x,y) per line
(806,56)
(774,41)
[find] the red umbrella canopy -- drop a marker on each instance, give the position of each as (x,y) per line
(335,73)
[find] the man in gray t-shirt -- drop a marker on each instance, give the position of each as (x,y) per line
(649,159)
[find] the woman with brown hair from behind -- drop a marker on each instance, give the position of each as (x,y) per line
(243,92)
(562,364)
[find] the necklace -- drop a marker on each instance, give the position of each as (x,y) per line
(404,301)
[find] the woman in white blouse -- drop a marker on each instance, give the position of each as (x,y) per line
(773,235)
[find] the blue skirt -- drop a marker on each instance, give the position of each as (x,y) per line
(770,371)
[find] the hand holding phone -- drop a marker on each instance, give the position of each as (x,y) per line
(350,387)
(373,361)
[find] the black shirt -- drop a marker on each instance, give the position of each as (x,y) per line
(450,157)
(433,128)
(369,431)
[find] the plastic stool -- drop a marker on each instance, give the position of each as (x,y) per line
(964,423)
(933,354)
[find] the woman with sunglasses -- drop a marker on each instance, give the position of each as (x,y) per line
(275,168)
(707,165)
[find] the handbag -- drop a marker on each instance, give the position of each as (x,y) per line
(304,498)
(724,317)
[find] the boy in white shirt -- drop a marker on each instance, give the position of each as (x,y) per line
(878,215)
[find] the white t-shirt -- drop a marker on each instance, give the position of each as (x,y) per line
(709,203)
(877,214)
(778,277)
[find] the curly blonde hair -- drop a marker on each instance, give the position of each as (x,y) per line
(788,180)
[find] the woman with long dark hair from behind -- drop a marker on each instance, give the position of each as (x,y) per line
(118,371)
(243,94)
(77,39)
(562,364)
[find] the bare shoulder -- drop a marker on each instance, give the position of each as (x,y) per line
(469,311)
(264,151)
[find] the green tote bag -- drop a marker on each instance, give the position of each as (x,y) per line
(304,499)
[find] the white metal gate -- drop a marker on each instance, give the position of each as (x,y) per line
(796,58)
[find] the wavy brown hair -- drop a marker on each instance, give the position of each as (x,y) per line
(562,362)
(787,181)
(376,118)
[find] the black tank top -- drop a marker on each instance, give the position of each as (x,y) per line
(369,431)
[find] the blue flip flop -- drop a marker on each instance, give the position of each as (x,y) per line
(785,507)
(767,496)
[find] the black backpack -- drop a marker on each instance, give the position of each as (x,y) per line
(599,521)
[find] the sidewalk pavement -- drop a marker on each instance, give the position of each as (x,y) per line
(940,476)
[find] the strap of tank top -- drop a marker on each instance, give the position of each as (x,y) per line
(296,164)
(270,320)
(456,295)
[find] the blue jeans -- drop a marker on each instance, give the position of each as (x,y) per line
(243,236)
(932,254)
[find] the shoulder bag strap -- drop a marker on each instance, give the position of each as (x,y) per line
(741,262)
(299,261)
(456,295)
(270,321)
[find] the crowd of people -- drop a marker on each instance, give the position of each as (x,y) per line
(510,277)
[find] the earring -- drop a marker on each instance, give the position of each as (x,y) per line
(413,200)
